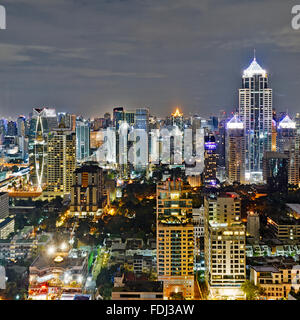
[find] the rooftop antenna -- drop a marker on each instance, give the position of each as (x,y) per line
(254,53)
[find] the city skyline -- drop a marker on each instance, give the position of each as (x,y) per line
(134,54)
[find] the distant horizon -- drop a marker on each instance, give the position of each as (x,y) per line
(137,53)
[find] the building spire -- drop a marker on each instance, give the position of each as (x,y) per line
(254,54)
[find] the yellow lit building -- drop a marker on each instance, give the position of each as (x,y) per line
(61,162)
(224,246)
(175,239)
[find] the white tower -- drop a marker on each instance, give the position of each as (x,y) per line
(255,111)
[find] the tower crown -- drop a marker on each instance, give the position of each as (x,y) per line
(254,69)
(287,123)
(235,123)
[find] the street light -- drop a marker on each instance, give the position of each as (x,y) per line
(51,250)
(63,246)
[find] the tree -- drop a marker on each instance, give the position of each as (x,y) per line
(251,290)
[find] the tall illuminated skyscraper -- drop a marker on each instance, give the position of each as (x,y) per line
(38,148)
(210,160)
(255,111)
(61,162)
(224,246)
(175,239)
(82,140)
(235,150)
(287,143)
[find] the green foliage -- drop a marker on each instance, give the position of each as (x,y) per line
(251,290)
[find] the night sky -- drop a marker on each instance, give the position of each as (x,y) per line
(87,56)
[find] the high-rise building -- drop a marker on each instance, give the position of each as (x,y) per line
(255,111)
(235,151)
(37,148)
(61,162)
(142,119)
(253,226)
(175,239)
(118,115)
(4,205)
(287,143)
(21,126)
(224,246)
(210,160)
(87,191)
(82,141)
(275,171)
(12,128)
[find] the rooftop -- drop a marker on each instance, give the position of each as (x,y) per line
(254,69)
(294,206)
(46,261)
(140,286)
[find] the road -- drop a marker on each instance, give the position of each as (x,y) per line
(100,262)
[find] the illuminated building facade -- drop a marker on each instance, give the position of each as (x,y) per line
(235,151)
(275,171)
(224,246)
(255,111)
(82,141)
(38,148)
(53,275)
(210,160)
(87,191)
(175,239)
(61,162)
(287,143)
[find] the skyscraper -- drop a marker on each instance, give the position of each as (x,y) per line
(275,171)
(287,143)
(210,160)
(224,246)
(142,119)
(38,149)
(235,151)
(82,140)
(61,162)
(175,239)
(255,111)
(87,190)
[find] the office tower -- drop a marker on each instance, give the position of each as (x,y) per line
(142,119)
(48,120)
(175,239)
(96,139)
(235,150)
(61,162)
(253,225)
(23,146)
(129,117)
(275,171)
(224,246)
(177,119)
(221,143)
(21,126)
(67,119)
(118,115)
(82,140)
(255,111)
(274,136)
(210,160)
(107,118)
(287,143)
(37,149)
(198,221)
(87,191)
(12,128)
(4,205)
